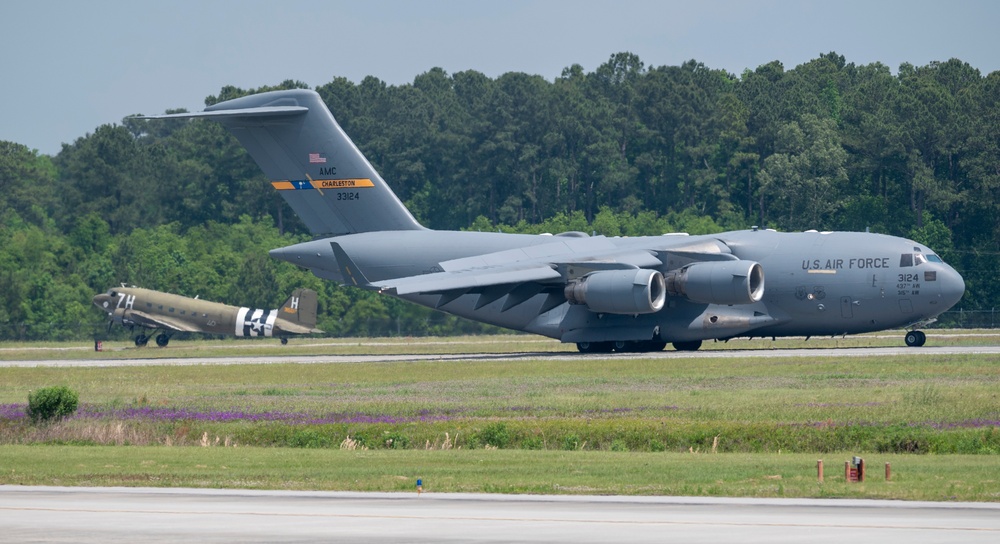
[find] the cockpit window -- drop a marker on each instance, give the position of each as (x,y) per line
(917,259)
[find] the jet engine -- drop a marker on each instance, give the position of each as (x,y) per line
(632,291)
(718,282)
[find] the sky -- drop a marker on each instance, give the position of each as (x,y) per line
(68,67)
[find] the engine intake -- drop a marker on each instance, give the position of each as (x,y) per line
(718,282)
(633,291)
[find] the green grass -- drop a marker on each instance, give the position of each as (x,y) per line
(884,390)
(914,477)
(592,425)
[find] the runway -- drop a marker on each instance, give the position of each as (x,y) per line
(148,515)
(562,356)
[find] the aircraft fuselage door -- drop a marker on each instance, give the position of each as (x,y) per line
(846,309)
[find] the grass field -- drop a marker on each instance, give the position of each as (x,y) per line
(715,426)
(913,477)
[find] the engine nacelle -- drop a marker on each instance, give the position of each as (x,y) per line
(632,291)
(118,316)
(718,282)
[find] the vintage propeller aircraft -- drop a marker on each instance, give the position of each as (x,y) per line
(147,309)
(603,294)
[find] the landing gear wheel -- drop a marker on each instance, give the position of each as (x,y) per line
(691,345)
(141,340)
(915,339)
(621,346)
(595,347)
(162,340)
(284,340)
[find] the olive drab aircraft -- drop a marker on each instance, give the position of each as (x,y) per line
(147,309)
(601,293)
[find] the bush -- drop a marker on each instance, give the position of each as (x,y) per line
(309,438)
(50,403)
(395,440)
(495,435)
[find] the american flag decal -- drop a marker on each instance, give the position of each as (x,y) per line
(316,158)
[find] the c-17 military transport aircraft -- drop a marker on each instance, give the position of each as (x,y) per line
(135,307)
(603,294)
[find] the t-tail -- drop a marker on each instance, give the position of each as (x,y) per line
(311,161)
(300,309)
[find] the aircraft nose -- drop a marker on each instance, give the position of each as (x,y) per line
(101,301)
(952,286)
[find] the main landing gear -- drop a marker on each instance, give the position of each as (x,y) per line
(162,340)
(915,339)
(621,346)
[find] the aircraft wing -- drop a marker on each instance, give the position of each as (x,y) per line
(159,322)
(469,278)
(546,264)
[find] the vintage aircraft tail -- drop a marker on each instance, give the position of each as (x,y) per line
(300,309)
(311,161)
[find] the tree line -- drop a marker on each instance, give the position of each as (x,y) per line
(626,149)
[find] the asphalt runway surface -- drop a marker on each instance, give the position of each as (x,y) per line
(147,515)
(568,356)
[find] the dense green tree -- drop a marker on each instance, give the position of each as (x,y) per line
(26,179)
(624,149)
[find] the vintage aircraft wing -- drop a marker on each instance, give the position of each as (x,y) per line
(159,322)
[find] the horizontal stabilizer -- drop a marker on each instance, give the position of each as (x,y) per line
(246,112)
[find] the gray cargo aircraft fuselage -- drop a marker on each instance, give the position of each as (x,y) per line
(625,294)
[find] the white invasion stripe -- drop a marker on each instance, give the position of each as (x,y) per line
(272,315)
(241,317)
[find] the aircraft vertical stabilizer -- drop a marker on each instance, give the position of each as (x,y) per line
(312,163)
(300,308)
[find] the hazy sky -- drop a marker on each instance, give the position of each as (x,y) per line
(67,67)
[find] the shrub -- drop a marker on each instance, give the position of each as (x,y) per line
(50,403)
(571,442)
(395,440)
(309,438)
(618,445)
(495,435)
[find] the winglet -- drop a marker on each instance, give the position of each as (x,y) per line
(348,269)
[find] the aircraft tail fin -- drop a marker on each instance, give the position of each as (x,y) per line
(300,308)
(311,161)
